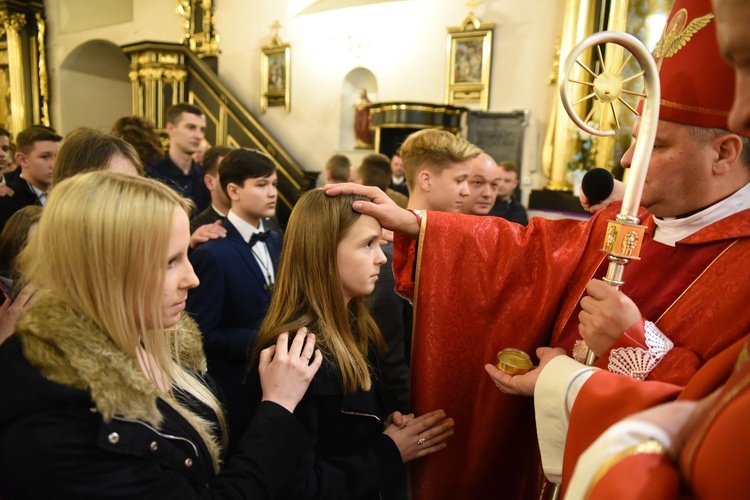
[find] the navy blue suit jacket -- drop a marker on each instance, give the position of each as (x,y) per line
(229,305)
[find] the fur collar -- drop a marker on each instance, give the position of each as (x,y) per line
(70,349)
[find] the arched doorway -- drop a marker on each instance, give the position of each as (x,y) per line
(94,87)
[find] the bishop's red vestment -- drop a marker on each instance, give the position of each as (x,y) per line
(480,284)
(714,460)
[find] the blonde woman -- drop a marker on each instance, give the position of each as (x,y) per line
(330,261)
(103,386)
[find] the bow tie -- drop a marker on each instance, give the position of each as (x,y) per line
(256,237)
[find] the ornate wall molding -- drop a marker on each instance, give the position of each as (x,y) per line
(158,78)
(198,23)
(23,66)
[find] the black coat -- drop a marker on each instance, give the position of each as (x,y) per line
(209,216)
(388,310)
(23,196)
(56,442)
(510,210)
(190,185)
(351,458)
(229,304)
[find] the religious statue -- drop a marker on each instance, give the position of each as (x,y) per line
(630,243)
(609,244)
(363,135)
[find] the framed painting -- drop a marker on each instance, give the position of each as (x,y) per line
(469,63)
(275,74)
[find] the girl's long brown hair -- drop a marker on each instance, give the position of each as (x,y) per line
(308,289)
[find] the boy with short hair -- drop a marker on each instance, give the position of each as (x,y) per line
(36,151)
(186,128)
(219,206)
(437,165)
(375,170)
(237,274)
(5,162)
(507,206)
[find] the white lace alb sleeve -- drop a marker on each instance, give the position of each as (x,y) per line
(637,363)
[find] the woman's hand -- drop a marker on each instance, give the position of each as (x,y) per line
(398,419)
(12,311)
(421,436)
(207,232)
(286,372)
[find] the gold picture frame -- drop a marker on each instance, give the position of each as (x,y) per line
(469,63)
(275,74)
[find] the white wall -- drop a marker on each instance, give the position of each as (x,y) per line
(401,42)
(143,20)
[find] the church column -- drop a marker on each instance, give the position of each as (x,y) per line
(158,79)
(12,24)
(562,132)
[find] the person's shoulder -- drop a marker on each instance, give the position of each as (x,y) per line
(161,168)
(21,197)
(18,185)
(272,224)
(399,198)
(42,406)
(207,216)
(221,249)
(13,179)
(13,175)
(327,381)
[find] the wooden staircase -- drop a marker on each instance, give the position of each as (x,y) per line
(164,74)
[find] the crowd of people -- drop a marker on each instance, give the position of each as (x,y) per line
(162,337)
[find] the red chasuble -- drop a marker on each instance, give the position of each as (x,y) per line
(715,459)
(480,284)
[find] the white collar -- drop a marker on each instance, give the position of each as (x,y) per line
(245,229)
(218,211)
(670,231)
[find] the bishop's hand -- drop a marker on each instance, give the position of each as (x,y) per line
(523,385)
(605,314)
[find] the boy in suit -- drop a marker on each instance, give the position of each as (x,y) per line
(36,151)
(237,275)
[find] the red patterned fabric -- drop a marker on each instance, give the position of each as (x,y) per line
(483,284)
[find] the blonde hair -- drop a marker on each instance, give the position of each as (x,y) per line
(308,289)
(434,149)
(93,251)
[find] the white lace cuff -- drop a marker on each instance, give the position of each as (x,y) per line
(637,363)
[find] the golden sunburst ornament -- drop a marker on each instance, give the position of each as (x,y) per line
(607,88)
